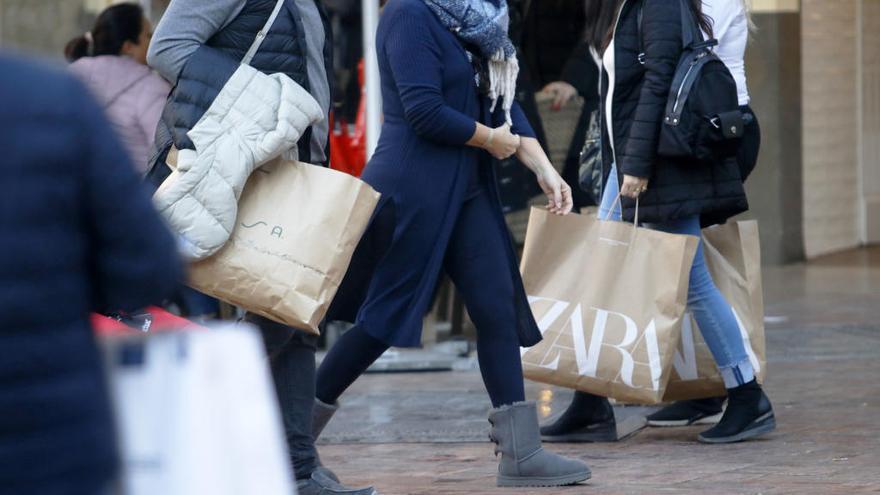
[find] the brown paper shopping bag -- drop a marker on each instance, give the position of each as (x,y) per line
(733,254)
(297,228)
(609,298)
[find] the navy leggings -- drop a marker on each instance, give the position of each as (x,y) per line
(477,263)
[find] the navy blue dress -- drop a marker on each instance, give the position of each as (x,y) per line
(427,175)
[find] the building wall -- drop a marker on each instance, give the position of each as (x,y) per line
(773,65)
(45,26)
(40,26)
(831,210)
(870,105)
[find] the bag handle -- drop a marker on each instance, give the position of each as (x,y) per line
(261,34)
(618,201)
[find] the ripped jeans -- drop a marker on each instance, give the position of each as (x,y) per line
(713,314)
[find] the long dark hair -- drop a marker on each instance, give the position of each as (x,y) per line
(113,27)
(602,14)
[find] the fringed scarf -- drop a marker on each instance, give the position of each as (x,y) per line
(484,24)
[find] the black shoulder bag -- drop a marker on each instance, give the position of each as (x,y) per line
(590,162)
(702,120)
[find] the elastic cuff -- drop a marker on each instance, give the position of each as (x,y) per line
(738,374)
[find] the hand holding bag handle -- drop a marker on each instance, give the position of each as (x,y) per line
(618,202)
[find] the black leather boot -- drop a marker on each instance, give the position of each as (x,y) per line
(589,418)
(748,415)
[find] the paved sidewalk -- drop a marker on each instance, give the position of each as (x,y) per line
(414,434)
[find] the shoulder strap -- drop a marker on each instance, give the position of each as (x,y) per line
(690,30)
(261,34)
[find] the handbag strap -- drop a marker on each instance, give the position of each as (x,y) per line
(691,34)
(261,34)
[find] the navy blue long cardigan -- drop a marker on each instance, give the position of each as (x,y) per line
(422,167)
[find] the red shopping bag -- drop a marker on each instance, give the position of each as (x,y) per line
(348,150)
(152,319)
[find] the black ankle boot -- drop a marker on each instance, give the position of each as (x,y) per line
(689,412)
(748,415)
(589,418)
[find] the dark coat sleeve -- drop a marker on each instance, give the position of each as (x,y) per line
(582,72)
(417,68)
(521,125)
(661,26)
(133,259)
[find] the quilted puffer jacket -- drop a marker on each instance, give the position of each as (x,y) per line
(677,189)
(255,117)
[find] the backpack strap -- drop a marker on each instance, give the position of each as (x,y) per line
(683,84)
(691,34)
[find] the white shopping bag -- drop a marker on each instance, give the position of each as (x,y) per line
(197,414)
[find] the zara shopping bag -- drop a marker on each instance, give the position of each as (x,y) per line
(609,298)
(297,228)
(196,414)
(733,253)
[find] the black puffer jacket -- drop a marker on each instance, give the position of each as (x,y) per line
(677,189)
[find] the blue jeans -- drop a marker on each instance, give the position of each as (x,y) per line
(713,314)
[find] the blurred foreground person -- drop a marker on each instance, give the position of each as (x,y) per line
(112,60)
(78,233)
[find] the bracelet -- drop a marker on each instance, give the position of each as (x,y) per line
(490,138)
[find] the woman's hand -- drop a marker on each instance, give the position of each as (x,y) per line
(501,143)
(558,192)
(562,93)
(633,187)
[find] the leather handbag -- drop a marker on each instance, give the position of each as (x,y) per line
(590,162)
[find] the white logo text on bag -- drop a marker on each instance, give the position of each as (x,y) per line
(587,354)
(685,361)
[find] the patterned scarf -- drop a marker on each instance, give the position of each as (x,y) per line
(484,24)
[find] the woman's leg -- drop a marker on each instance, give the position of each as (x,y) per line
(749,413)
(478,266)
(349,358)
(713,313)
(609,204)
(478,263)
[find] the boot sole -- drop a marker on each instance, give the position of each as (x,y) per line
(705,420)
(761,426)
(540,481)
(581,437)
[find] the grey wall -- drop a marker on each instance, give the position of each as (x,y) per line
(773,64)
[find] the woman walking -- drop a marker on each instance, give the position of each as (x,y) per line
(112,60)
(441,211)
(673,196)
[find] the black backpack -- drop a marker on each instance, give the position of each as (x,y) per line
(702,120)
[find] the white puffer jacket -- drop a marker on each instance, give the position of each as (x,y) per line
(255,118)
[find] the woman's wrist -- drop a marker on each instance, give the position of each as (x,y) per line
(489,139)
